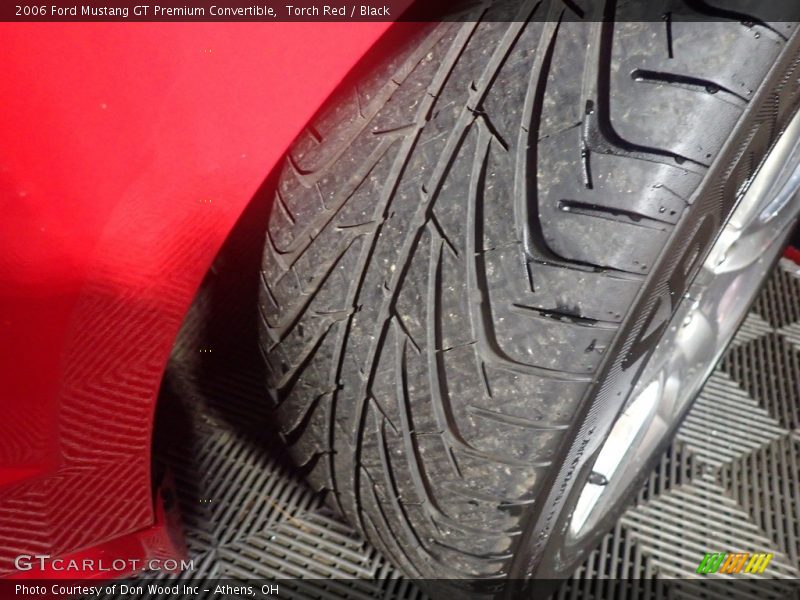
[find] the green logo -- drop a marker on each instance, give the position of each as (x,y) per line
(722,562)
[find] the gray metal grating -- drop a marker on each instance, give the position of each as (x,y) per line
(731,481)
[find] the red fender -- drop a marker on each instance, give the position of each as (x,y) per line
(129,151)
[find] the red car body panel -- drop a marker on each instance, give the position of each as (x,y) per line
(128,152)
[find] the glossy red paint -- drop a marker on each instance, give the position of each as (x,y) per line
(128,152)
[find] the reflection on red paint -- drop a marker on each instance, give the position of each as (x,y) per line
(128,152)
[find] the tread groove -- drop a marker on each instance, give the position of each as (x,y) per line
(697,84)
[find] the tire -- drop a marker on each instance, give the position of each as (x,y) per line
(466,253)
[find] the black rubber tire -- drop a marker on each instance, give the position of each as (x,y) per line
(466,248)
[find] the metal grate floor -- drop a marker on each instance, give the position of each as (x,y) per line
(730,482)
